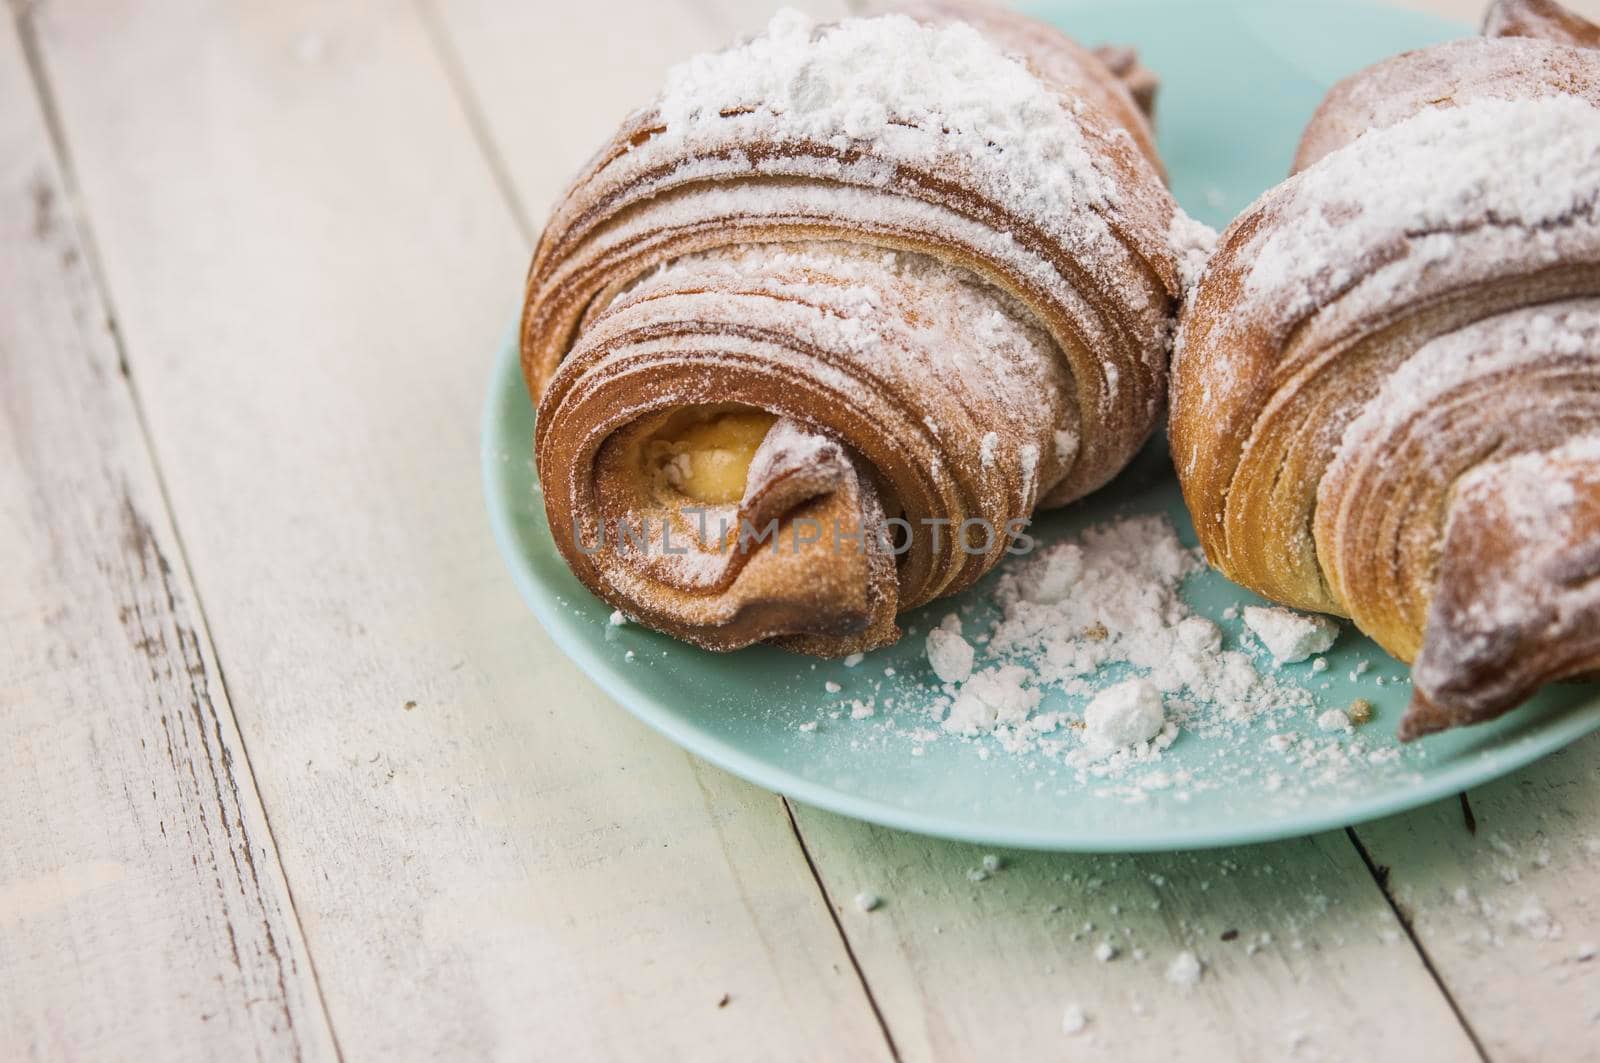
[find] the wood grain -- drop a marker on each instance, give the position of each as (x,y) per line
(1507,911)
(1302,956)
(312,267)
(143,913)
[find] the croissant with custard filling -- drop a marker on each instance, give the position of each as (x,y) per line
(817,331)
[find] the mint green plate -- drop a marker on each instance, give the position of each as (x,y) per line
(1239,82)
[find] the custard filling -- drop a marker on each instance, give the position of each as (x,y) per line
(703,453)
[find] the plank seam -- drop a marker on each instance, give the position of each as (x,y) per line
(23,12)
(844,938)
(454,69)
(1380,877)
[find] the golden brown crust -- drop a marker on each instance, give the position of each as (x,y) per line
(1382,328)
(1518,588)
(1447,75)
(757,327)
(732,265)
(1112,310)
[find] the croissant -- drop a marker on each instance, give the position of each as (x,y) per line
(1386,394)
(816,332)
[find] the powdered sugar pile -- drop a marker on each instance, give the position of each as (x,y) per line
(1112,598)
(949,653)
(998,697)
(1290,636)
(1184,971)
(1124,715)
(1096,662)
(1084,663)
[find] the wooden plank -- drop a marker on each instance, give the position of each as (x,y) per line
(1508,909)
(508,57)
(1301,955)
(143,912)
(961,970)
(312,268)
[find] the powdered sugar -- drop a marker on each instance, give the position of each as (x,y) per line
(1535,503)
(1198,635)
(995,697)
(1539,501)
(1185,970)
(1334,720)
(949,653)
(1499,344)
(1111,598)
(1102,605)
(1359,199)
(1193,241)
(926,89)
(1124,715)
(1289,636)
(1233,723)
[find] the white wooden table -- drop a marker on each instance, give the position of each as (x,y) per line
(289,772)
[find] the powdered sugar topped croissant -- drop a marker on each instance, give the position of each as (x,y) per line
(817,331)
(1387,395)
